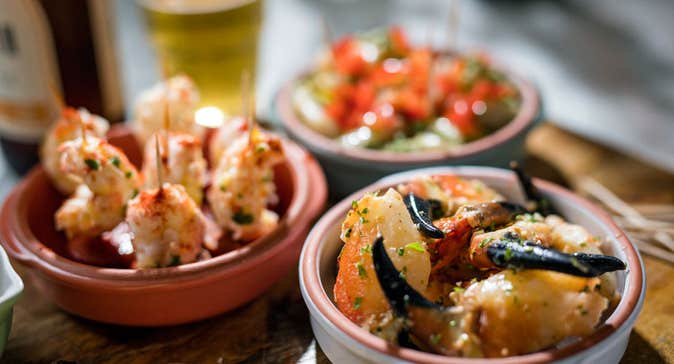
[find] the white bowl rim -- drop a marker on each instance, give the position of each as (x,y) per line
(15,286)
(326,313)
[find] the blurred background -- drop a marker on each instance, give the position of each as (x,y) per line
(605,68)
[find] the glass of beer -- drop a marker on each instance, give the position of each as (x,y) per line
(212,41)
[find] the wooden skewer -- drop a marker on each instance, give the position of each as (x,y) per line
(453,24)
(167,126)
(57,96)
(247,104)
(160,178)
(328,37)
(654,251)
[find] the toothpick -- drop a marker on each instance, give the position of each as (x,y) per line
(328,37)
(56,94)
(247,104)
(453,24)
(83,128)
(167,126)
(160,179)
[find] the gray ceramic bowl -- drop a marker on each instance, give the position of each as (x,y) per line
(349,169)
(345,342)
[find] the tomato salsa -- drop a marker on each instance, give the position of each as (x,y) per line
(376,90)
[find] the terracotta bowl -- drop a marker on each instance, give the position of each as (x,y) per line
(163,296)
(345,342)
(349,169)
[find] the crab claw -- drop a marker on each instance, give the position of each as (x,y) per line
(514,253)
(436,328)
(420,212)
(542,205)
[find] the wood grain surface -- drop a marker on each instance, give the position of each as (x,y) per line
(275,327)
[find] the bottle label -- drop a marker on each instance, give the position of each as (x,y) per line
(28,71)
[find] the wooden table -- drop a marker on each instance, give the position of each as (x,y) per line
(275,327)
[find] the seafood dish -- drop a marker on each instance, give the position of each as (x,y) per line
(175,209)
(376,90)
(447,265)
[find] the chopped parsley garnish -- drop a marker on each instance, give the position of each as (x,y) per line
(363,220)
(116,161)
(175,260)
(134,193)
(458,289)
(354,205)
(417,246)
(357,302)
(508,254)
(128,174)
(243,218)
(361,270)
(367,249)
(92,164)
(403,273)
(347,233)
(485,241)
(223,188)
(435,338)
(401,251)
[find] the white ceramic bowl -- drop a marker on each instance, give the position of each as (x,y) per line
(345,342)
(10,288)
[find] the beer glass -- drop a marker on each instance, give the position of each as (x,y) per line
(212,41)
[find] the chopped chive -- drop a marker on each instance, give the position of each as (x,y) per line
(243,218)
(508,254)
(116,161)
(92,164)
(485,241)
(416,246)
(357,302)
(361,270)
(175,260)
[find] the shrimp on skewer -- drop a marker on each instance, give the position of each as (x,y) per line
(109,181)
(167,225)
(68,127)
(243,185)
(182,164)
(181,94)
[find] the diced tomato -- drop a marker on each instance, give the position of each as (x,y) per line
(460,114)
(413,105)
(386,120)
(347,57)
(364,95)
(399,43)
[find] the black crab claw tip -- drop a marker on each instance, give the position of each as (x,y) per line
(532,193)
(398,292)
(529,255)
(420,212)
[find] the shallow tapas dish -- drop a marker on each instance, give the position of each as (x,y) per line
(344,341)
(159,296)
(349,168)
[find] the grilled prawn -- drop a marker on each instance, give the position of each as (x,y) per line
(243,185)
(181,96)
(109,180)
(182,164)
(68,127)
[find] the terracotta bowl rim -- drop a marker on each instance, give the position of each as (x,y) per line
(527,115)
(318,300)
(309,197)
